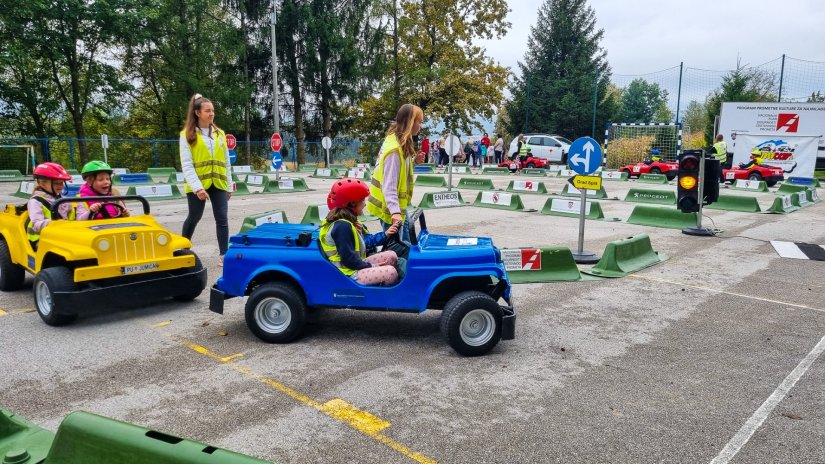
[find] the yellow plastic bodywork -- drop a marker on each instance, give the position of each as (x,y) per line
(109,247)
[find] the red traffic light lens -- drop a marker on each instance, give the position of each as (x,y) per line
(689,163)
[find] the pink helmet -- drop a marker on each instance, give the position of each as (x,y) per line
(345,191)
(49,170)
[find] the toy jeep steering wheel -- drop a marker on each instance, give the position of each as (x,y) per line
(104,199)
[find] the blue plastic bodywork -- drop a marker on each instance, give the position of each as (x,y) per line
(272,252)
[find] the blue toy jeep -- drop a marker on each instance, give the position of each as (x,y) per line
(283,270)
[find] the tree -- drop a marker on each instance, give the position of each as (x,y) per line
(643,101)
(739,85)
(695,117)
(562,67)
(816,97)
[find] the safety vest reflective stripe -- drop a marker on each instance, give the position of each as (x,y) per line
(331,250)
(376,204)
(523,150)
(721,151)
(210,167)
(31,234)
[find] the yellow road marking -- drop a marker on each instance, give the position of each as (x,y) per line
(716,290)
(9,312)
(3,313)
(161,324)
(337,408)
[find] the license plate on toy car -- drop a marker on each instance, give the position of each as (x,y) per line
(138,268)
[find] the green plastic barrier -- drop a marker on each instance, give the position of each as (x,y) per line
(258,181)
(786,188)
(241,189)
(340,167)
(782,205)
(11,175)
(160,172)
(496,171)
(653,178)
(449,199)
(476,183)
(526,186)
(285,184)
(736,203)
(614,175)
(307,168)
(499,200)
(570,191)
(533,172)
(800,199)
(571,208)
(24,190)
(156,192)
(624,256)
(812,195)
(659,197)
(315,214)
(177,178)
(529,265)
(326,173)
(752,185)
(21,441)
(251,222)
(91,439)
(662,217)
(430,181)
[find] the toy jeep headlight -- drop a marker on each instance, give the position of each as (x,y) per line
(103,244)
(163,239)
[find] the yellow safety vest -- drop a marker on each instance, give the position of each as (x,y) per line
(210,168)
(721,151)
(523,150)
(30,233)
(331,250)
(376,204)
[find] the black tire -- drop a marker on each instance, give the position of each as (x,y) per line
(655,171)
(276,312)
(11,275)
(194,293)
(629,174)
(564,158)
(755,176)
(531,165)
(46,283)
(471,321)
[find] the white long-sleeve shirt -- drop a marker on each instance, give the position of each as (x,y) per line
(188,167)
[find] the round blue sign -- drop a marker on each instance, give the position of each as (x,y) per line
(277,160)
(585,156)
(232,156)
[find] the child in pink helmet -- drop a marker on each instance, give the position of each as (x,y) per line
(51,180)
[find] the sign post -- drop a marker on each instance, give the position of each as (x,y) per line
(326,142)
(584,158)
(276,143)
(453,147)
(104,141)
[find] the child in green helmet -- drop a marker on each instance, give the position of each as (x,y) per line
(98,183)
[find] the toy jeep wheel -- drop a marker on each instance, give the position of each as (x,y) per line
(275,312)
(471,321)
(46,283)
(11,275)
(194,293)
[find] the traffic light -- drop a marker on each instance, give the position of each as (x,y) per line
(688,181)
(713,173)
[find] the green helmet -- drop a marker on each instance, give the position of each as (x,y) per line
(95,166)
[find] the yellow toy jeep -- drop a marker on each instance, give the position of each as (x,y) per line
(84,267)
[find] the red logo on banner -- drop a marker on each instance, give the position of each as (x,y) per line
(528,185)
(787,122)
(531,260)
(495,198)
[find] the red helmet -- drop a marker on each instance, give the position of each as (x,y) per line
(49,170)
(346,190)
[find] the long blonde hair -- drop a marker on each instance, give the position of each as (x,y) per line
(405,119)
(191,124)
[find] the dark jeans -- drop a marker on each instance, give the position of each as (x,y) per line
(499,156)
(443,157)
(220,204)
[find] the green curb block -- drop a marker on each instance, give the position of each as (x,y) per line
(803,181)
(241,189)
(11,175)
(526,186)
(441,200)
(752,185)
(736,203)
(315,214)
(177,178)
(653,178)
(812,195)
(307,168)
(340,167)
(659,197)
(614,175)
(788,188)
(529,265)
(662,217)
(284,184)
(476,184)
(800,199)
(251,222)
(496,171)
(326,173)
(156,192)
(161,172)
(430,181)
(571,208)
(570,191)
(17,435)
(624,256)
(783,204)
(500,200)
(25,190)
(533,172)
(258,180)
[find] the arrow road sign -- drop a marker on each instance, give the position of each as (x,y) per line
(585,156)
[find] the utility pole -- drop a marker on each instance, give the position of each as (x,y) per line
(275,115)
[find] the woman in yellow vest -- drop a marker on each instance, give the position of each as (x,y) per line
(204,159)
(391,188)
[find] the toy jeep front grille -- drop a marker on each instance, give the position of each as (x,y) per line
(131,246)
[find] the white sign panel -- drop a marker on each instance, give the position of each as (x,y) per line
(571,189)
(323,211)
(569,206)
(557,167)
(446,199)
(154,190)
(179,177)
(355,174)
(27,187)
(521,259)
(459,169)
(613,175)
(77,179)
(746,184)
(119,171)
(285,184)
(793,153)
(462,241)
(770,118)
(567,172)
(326,172)
(526,185)
(496,198)
(275,217)
(245,168)
(255,180)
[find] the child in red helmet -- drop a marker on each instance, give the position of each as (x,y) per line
(51,179)
(345,240)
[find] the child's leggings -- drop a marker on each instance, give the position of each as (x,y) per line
(379,275)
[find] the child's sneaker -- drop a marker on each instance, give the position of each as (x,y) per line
(220,261)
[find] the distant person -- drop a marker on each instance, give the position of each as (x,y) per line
(425,149)
(720,153)
(654,157)
(443,156)
(755,159)
(498,149)
(521,147)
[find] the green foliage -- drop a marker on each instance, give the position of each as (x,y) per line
(696,116)
(644,102)
(816,97)
(740,85)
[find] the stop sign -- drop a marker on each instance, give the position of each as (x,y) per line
(276,142)
(231,141)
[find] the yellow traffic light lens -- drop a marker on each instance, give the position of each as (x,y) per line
(687,182)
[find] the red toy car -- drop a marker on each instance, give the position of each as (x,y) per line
(529,162)
(670,169)
(770,174)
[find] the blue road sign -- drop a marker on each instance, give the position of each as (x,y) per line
(277,160)
(232,156)
(585,156)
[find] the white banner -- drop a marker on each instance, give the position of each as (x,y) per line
(275,217)
(445,199)
(795,154)
(496,198)
(526,185)
(154,190)
(569,206)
